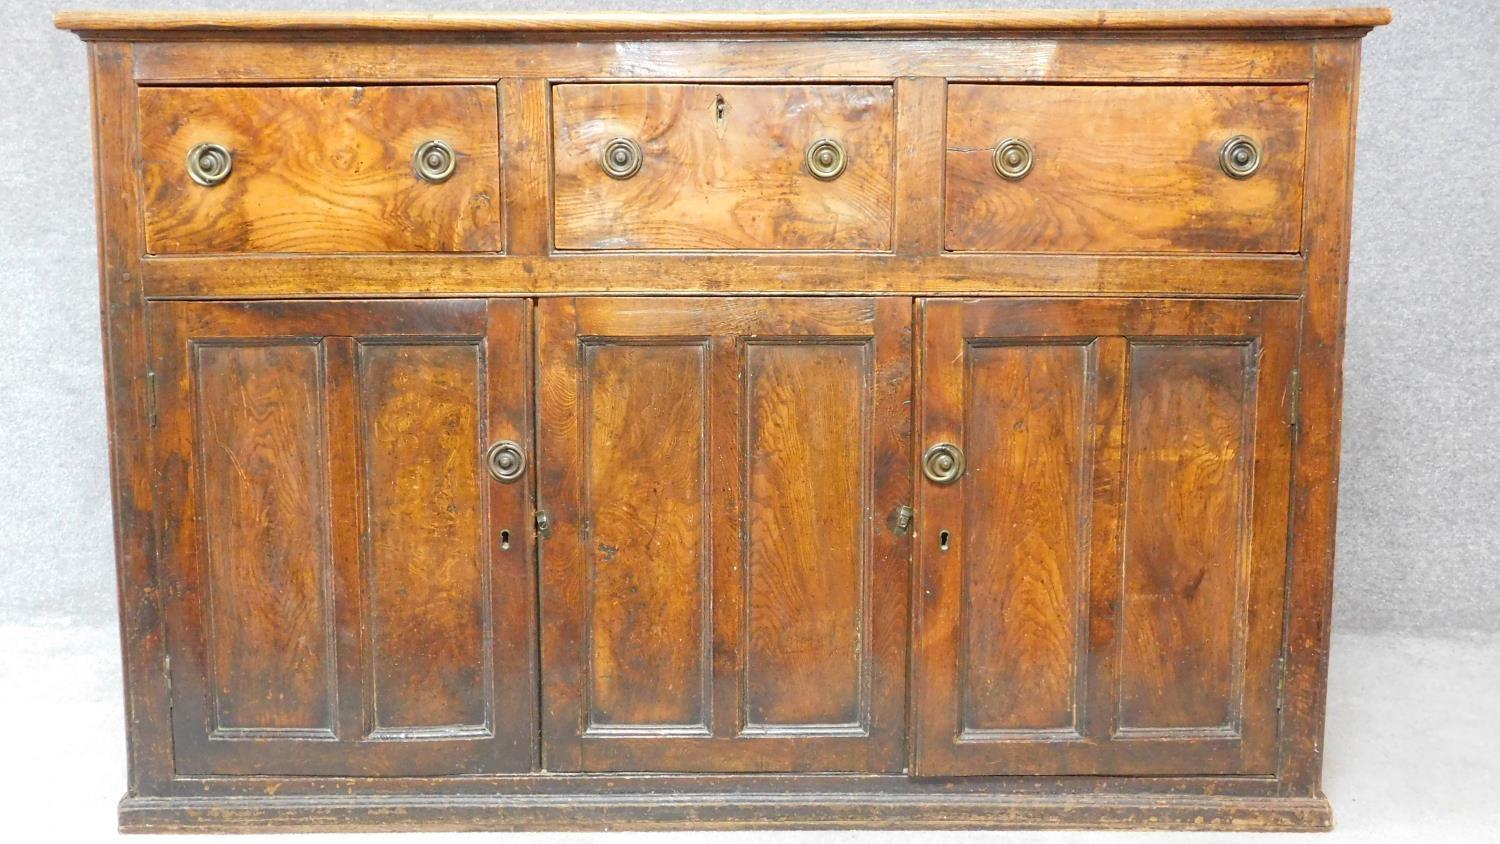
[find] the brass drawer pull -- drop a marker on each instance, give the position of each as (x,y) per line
(621,158)
(209,164)
(943,463)
(1240,157)
(434,161)
(506,461)
(826,159)
(1013,159)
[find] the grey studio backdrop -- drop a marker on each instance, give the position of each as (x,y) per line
(1419,515)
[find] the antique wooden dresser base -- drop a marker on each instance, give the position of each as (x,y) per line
(628,421)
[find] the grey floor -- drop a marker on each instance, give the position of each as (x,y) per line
(1413,750)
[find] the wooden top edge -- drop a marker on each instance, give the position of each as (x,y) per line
(145,23)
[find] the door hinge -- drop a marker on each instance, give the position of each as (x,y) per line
(1294,403)
(543,523)
(151,415)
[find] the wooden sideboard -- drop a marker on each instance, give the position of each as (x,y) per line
(632,421)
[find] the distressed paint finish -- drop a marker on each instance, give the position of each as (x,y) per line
(351,605)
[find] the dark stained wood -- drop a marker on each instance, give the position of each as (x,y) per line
(644,434)
(1124,169)
(1029,437)
(321,169)
(269,572)
(1163,57)
(722,167)
(270,630)
(1187,492)
(141,595)
(358,638)
(717,475)
(420,406)
(1178,468)
(1314,503)
(620,22)
(689,274)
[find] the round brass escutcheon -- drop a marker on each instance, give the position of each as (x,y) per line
(1240,157)
(434,161)
(621,158)
(209,164)
(1013,159)
(826,159)
(506,461)
(943,463)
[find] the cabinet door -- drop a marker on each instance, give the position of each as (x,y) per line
(1102,587)
(347,585)
(720,588)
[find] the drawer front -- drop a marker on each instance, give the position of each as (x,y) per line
(322,169)
(1124,168)
(723,166)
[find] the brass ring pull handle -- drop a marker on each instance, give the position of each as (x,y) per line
(943,463)
(434,161)
(1240,157)
(1013,159)
(209,164)
(621,158)
(826,159)
(506,461)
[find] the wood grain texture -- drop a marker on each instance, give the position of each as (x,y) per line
(722,167)
(806,557)
(1029,437)
(1124,169)
(957,274)
(141,596)
(269,578)
(707,428)
(614,22)
(1160,57)
(262,444)
(1142,715)
(1118,659)
(646,517)
(1320,362)
(321,169)
(1187,481)
(426,579)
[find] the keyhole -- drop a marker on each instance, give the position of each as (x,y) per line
(720,110)
(943,537)
(505,540)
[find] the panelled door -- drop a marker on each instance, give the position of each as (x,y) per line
(345,543)
(724,577)
(1102,545)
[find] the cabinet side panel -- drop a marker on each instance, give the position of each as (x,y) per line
(268,597)
(1028,433)
(425,572)
(806,533)
(646,544)
(1186,523)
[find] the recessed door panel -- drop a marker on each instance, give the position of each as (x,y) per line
(648,548)
(352,589)
(1101,588)
(721,590)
